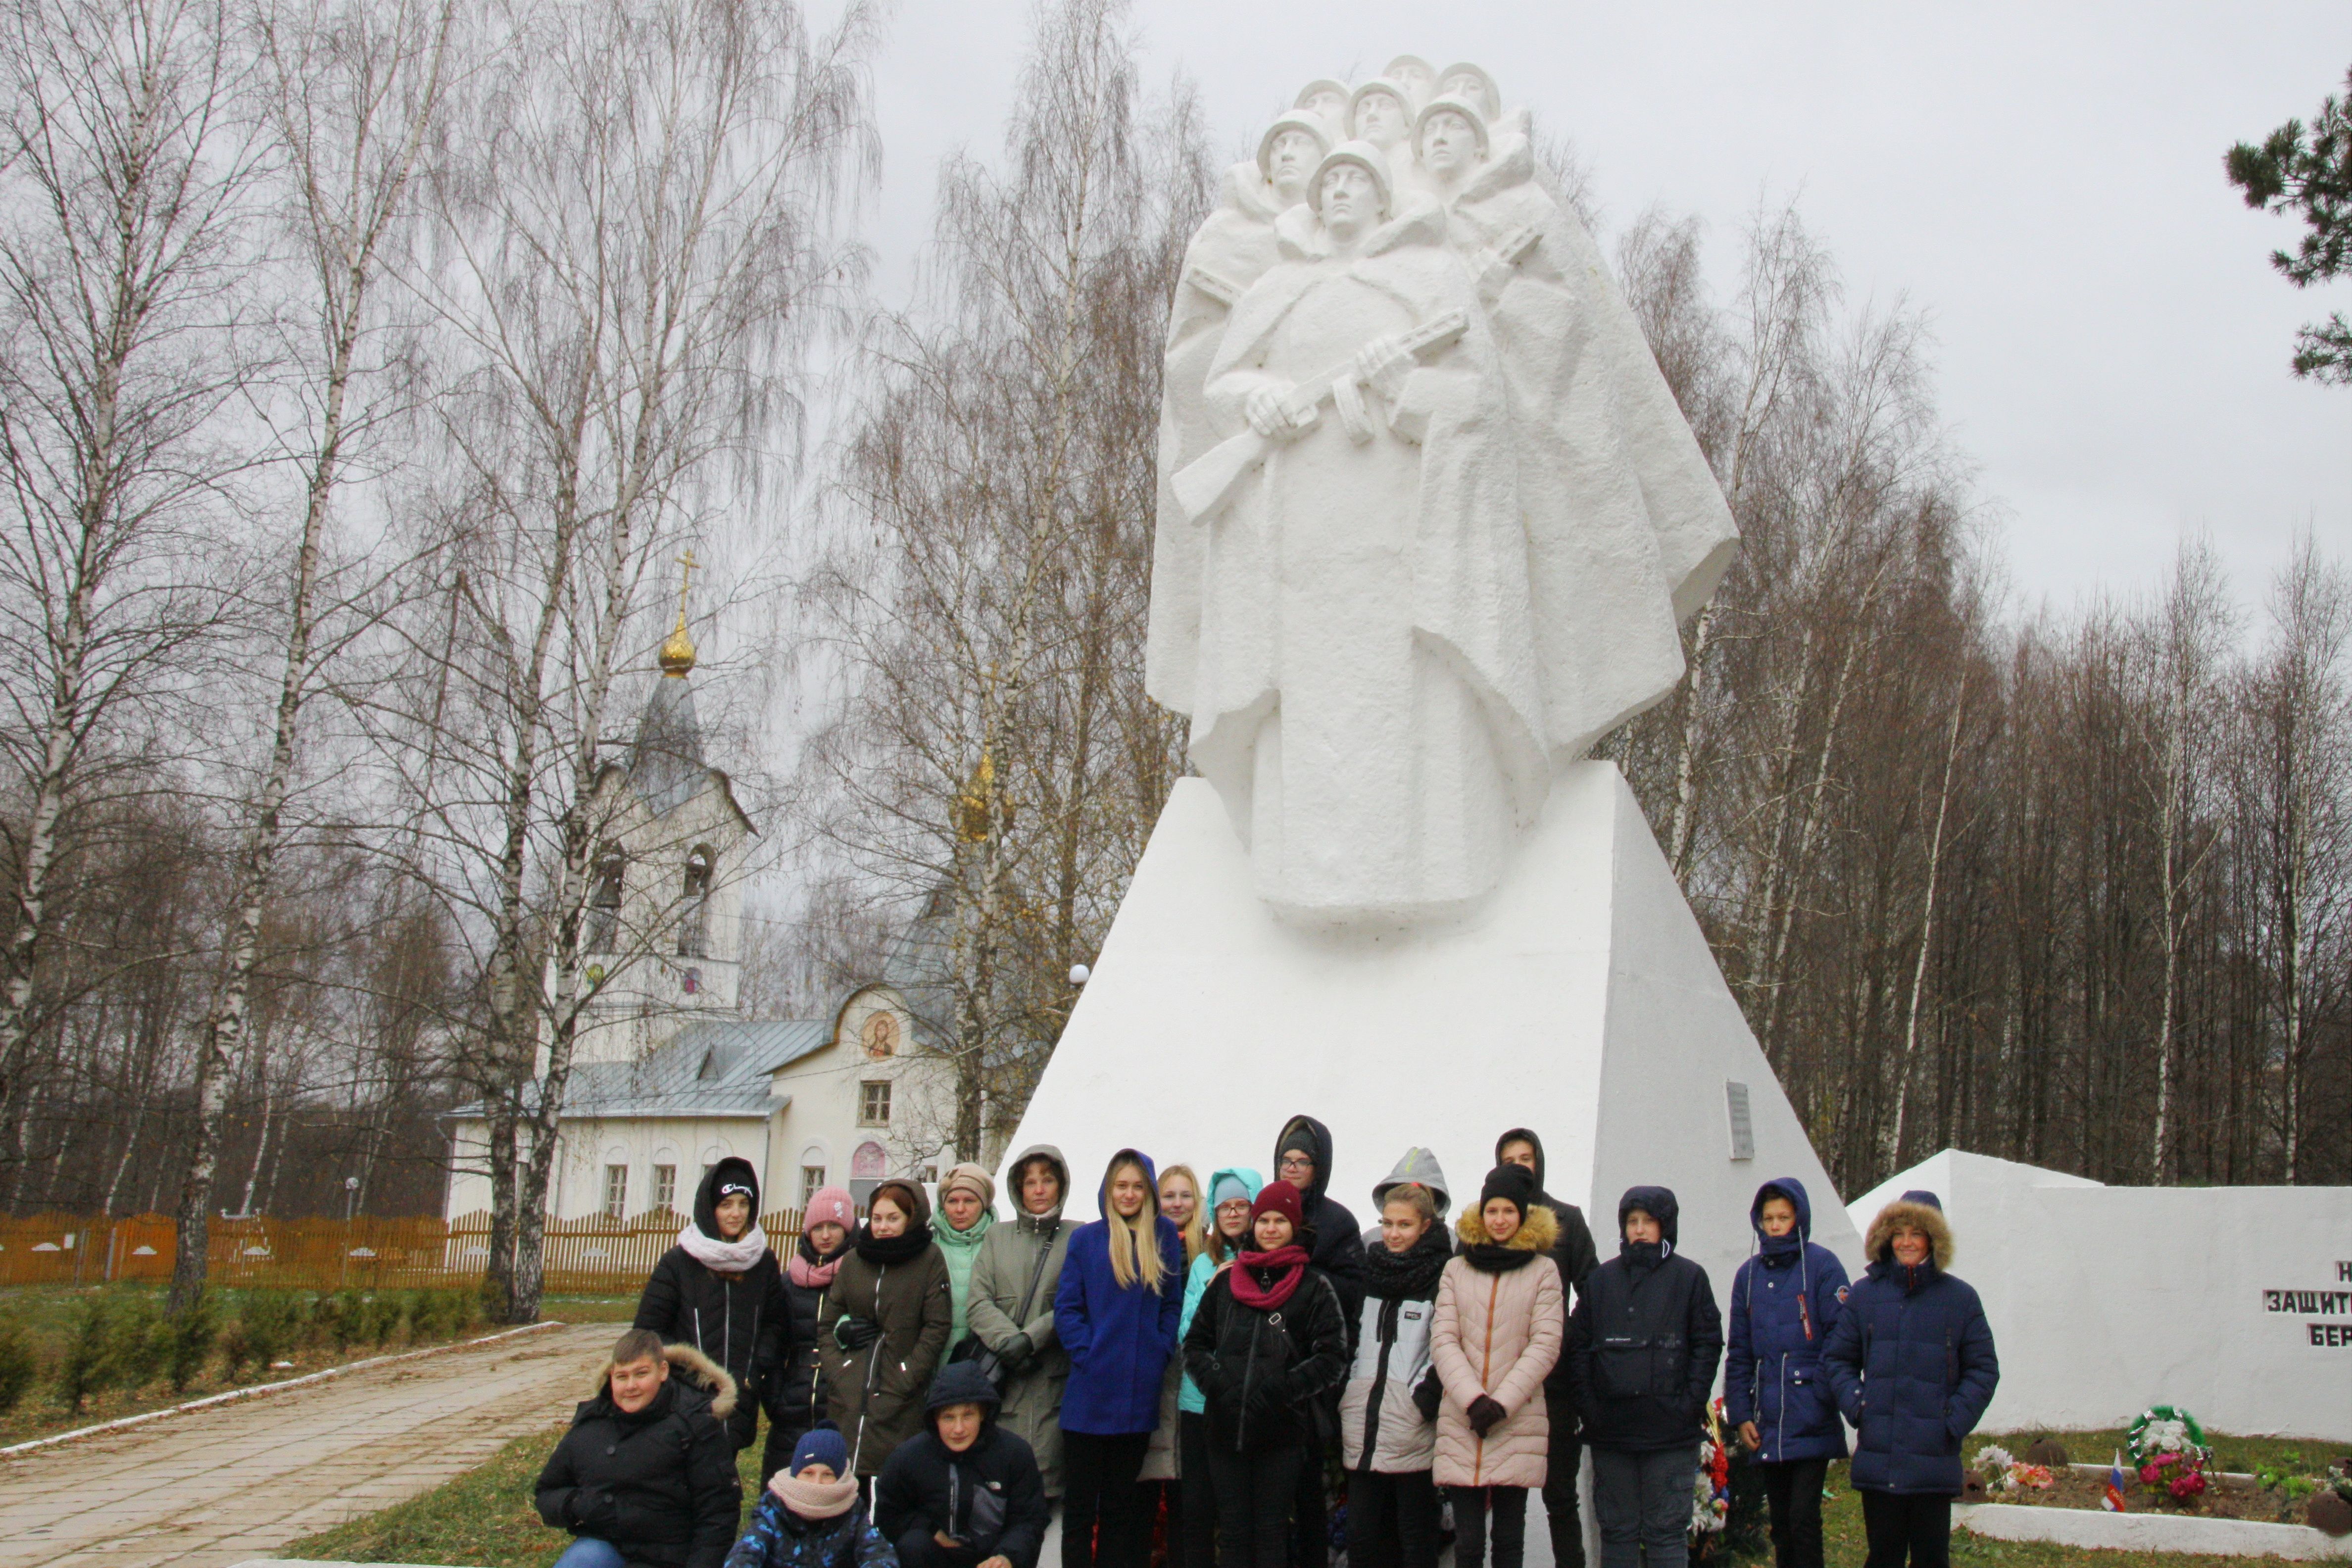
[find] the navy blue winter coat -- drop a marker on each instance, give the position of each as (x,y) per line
(1119,1338)
(1784,1302)
(1911,1360)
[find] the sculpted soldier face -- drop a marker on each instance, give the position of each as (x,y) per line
(1448,146)
(1411,75)
(1326,102)
(1350,202)
(1292,160)
(1380,119)
(1469,86)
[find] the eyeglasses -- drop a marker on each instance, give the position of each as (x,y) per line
(1296,1162)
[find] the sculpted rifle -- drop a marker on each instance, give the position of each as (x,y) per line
(1203,486)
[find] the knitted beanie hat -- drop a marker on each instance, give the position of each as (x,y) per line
(969,1178)
(832,1206)
(1282,1198)
(1515,1184)
(1229,1187)
(822,1447)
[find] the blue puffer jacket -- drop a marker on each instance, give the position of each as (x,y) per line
(1784,1302)
(1118,1337)
(779,1537)
(1911,1359)
(1189,1396)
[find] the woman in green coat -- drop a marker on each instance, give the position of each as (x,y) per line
(1011,1307)
(967,1214)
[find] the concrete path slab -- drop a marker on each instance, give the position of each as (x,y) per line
(218,1486)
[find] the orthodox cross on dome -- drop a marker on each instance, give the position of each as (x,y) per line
(677,648)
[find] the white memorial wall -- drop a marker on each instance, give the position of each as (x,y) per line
(2233,1302)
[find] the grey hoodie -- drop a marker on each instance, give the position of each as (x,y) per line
(1001,1278)
(1417,1166)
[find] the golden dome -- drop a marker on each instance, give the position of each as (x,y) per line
(677,652)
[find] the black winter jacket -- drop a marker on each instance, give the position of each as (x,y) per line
(1334,1242)
(659,1485)
(1269,1378)
(1577,1259)
(989,1497)
(792,1390)
(742,1322)
(1645,1340)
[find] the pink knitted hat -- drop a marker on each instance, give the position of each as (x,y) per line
(831,1204)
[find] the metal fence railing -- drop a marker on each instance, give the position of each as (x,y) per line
(583,1255)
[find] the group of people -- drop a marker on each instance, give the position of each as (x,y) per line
(1236,1353)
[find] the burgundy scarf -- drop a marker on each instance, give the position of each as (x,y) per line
(1267,1279)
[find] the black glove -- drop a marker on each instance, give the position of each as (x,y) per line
(1016,1352)
(855,1333)
(1428,1396)
(1485,1413)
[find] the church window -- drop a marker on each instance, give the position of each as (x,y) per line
(881,1033)
(665,1186)
(873,1104)
(616,1192)
(811,1178)
(693,924)
(866,1163)
(603,934)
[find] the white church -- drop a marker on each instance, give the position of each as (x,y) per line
(667,1076)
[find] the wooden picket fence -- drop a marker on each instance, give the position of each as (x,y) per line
(584,1256)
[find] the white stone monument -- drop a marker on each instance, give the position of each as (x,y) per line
(1429,517)
(2234,1303)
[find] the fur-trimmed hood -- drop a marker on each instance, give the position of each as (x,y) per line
(699,1372)
(1540,1232)
(1879,1245)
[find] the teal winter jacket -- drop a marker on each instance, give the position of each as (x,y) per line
(1196,1282)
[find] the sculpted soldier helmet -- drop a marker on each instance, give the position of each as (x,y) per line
(1464,79)
(1413,73)
(1449,104)
(1364,156)
(1379,85)
(1326,96)
(1305,125)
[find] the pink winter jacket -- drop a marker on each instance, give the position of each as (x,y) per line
(1497,1334)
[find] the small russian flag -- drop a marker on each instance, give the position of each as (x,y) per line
(2113,1499)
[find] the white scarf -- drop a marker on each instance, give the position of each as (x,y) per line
(725,1257)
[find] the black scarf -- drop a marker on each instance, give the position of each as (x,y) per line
(884,1250)
(1410,1275)
(1499,1257)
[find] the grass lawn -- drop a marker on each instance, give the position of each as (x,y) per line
(484,1519)
(47,1314)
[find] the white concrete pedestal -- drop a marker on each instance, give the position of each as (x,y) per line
(1580,999)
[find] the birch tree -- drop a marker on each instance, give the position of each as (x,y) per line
(641,245)
(353,94)
(991,751)
(127,179)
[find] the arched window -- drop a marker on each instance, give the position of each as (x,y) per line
(693,921)
(602,932)
(867,1162)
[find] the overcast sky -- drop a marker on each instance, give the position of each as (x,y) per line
(2044,180)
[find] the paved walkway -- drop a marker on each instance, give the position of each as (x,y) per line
(220,1486)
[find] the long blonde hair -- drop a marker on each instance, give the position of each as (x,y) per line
(1134,1243)
(1195,1231)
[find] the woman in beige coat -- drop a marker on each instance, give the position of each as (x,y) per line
(1497,1334)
